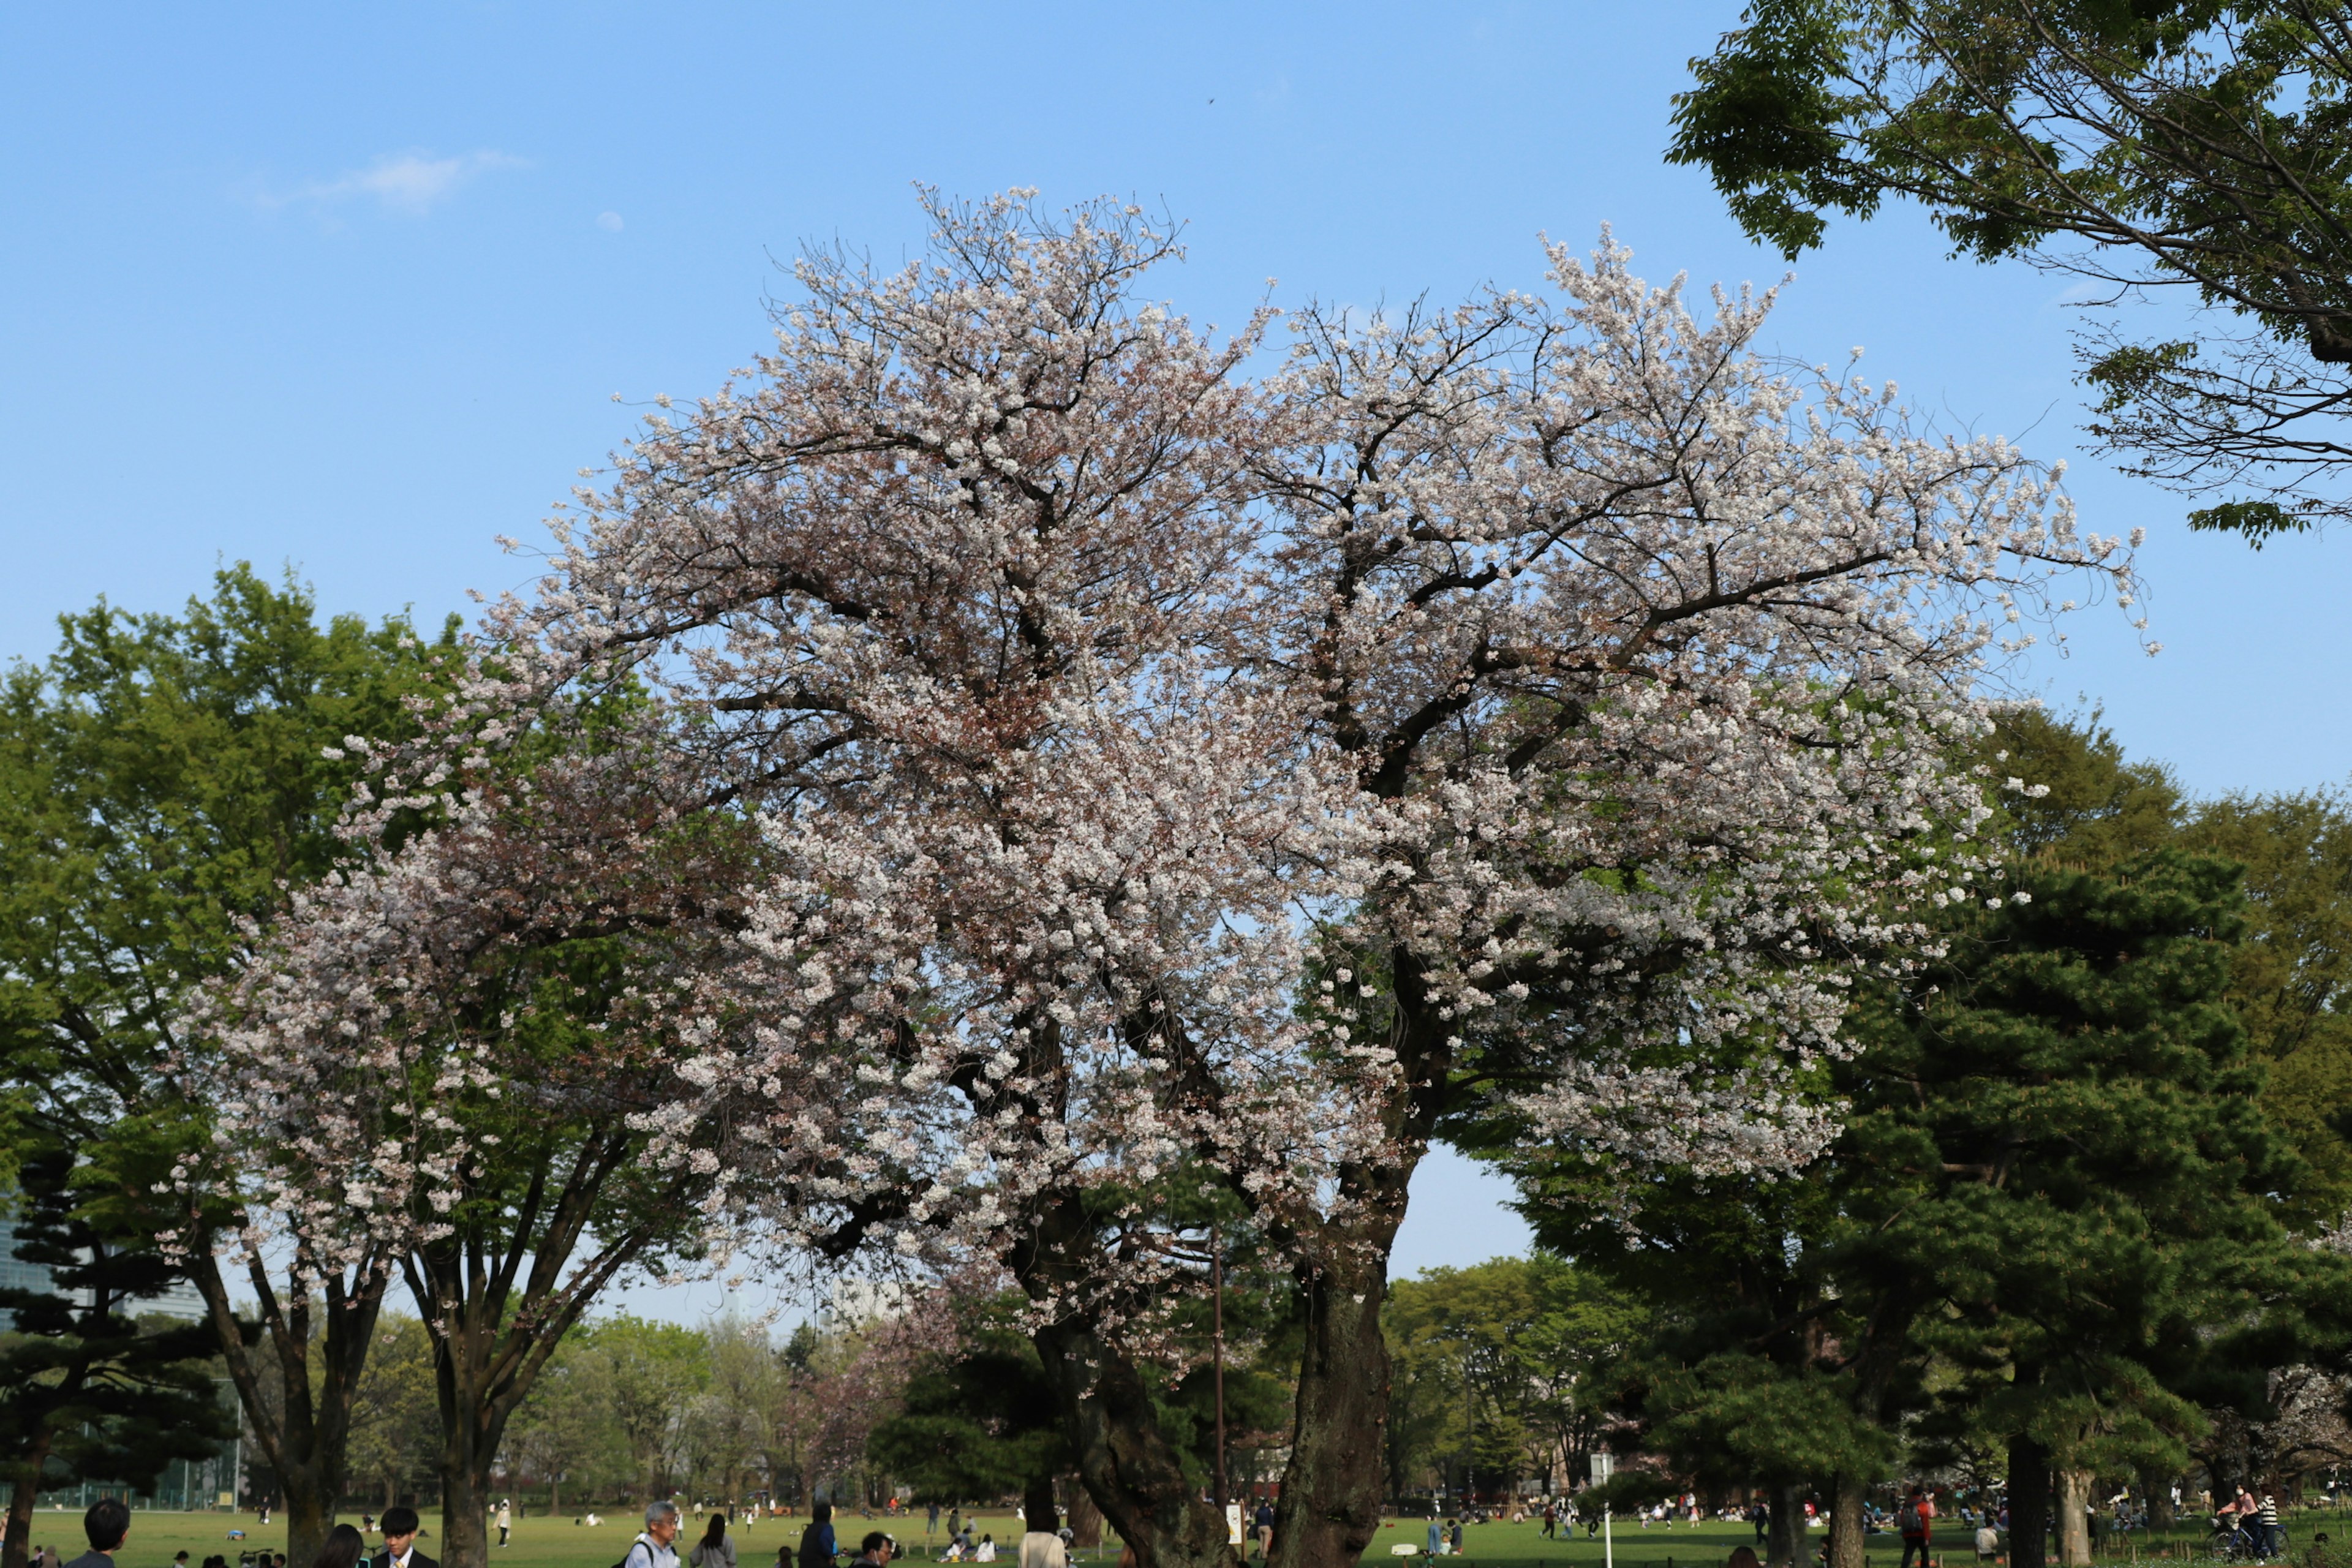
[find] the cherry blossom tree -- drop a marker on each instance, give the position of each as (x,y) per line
(453,1062)
(1178,791)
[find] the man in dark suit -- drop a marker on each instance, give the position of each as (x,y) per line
(400,1541)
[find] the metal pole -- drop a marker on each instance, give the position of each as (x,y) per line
(1217,1297)
(1603,1463)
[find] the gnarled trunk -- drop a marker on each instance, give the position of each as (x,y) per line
(1086,1520)
(24,1476)
(1135,1475)
(1331,1503)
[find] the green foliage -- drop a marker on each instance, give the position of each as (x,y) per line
(1501,1368)
(2058,1164)
(86,1393)
(161,780)
(2191,143)
(395,1436)
(979,1422)
(2061,1209)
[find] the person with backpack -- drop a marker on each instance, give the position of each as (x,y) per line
(817,1546)
(1912,1522)
(652,1549)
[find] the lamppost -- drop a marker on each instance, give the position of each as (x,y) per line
(1217,1359)
(1604,1462)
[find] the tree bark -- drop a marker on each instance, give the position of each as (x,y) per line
(2159,1488)
(497,1302)
(1845,1522)
(2029,1503)
(1330,1503)
(305,1434)
(24,1484)
(2075,1519)
(1785,1546)
(1085,1519)
(1134,1474)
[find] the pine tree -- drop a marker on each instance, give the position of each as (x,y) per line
(2055,1169)
(86,1393)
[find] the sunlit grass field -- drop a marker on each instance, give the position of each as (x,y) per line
(540,1543)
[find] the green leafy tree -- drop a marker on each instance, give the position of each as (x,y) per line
(86,1393)
(2056,1224)
(564,1432)
(162,780)
(652,1372)
(2205,145)
(978,1422)
(394,1425)
(1759,1365)
(1505,1370)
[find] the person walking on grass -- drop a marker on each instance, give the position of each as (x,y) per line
(400,1541)
(505,1521)
(1912,1522)
(652,1549)
(714,1550)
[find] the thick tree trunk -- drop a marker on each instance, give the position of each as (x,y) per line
(2075,1519)
(1134,1474)
(2159,1488)
(1785,1546)
(2029,1503)
(1845,1522)
(24,1484)
(304,1435)
(1330,1503)
(310,1514)
(1085,1519)
(465,1504)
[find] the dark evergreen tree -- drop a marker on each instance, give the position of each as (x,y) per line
(2055,1189)
(87,1393)
(2055,1156)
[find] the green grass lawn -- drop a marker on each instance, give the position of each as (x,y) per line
(541,1542)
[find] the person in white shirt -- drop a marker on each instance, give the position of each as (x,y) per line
(1041,1545)
(652,1549)
(505,1521)
(987,1553)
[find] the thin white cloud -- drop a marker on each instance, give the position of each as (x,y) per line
(409,184)
(609,221)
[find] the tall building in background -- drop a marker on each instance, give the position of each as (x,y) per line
(181,1300)
(184,1484)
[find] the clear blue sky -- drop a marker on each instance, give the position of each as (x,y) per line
(351,286)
